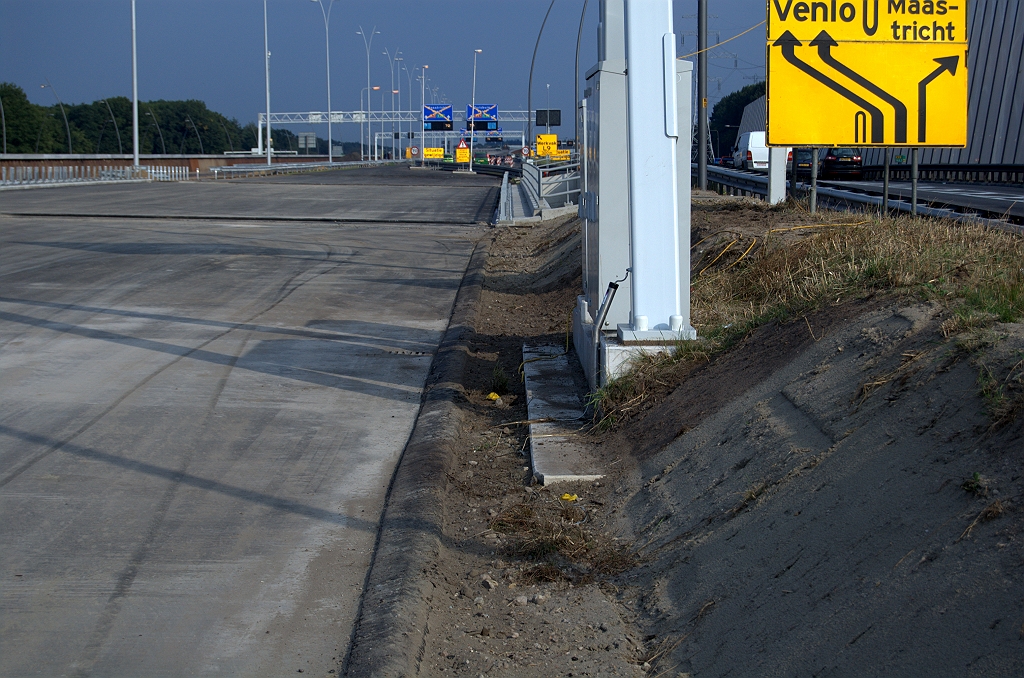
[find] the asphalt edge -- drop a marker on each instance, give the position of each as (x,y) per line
(391,622)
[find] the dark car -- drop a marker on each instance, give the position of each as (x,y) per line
(841,163)
(802,163)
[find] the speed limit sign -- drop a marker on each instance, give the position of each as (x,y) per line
(415,151)
(526,151)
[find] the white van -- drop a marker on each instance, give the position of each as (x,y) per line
(750,152)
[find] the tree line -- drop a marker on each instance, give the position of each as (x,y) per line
(728,112)
(105,127)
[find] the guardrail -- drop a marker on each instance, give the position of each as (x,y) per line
(742,183)
(504,202)
(238,171)
(91,174)
(968,174)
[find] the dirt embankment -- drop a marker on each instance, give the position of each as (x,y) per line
(835,495)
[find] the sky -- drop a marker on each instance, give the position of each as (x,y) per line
(212,50)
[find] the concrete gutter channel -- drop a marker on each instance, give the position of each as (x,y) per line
(390,628)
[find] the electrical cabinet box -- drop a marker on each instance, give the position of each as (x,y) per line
(606,201)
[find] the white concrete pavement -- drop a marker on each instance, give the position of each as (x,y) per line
(199,420)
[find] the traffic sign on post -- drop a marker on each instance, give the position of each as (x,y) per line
(437,117)
(546,144)
(462,152)
(871,73)
(433,153)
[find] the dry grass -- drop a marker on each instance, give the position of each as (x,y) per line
(556,534)
(972,270)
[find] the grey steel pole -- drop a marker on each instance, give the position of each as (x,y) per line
(472,110)
(913,181)
(423,105)
(814,180)
(135,96)
(120,150)
(576,74)
(266,60)
(885,184)
(3,122)
(327,35)
(529,86)
(702,94)
(369,106)
(59,103)
(391,65)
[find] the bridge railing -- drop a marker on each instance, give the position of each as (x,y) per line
(735,182)
(239,171)
(34,175)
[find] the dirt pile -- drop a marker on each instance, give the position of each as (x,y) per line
(836,492)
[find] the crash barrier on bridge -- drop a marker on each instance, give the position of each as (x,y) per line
(504,202)
(548,186)
(733,182)
(967,174)
(237,171)
(68,174)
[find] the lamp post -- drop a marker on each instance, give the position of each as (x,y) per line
(398,66)
(135,96)
(367,43)
(150,114)
(3,122)
(391,65)
(120,150)
(66,126)
(547,128)
(266,62)
(472,111)
(327,36)
(423,104)
(201,151)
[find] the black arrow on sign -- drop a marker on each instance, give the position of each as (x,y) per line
(945,64)
(825,43)
(788,42)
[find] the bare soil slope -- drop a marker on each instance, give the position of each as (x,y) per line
(838,495)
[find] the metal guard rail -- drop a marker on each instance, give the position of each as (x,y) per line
(758,185)
(970,174)
(235,171)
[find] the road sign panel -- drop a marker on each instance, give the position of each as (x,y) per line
(482,112)
(852,76)
(547,144)
(463,144)
(526,151)
(437,113)
(433,153)
(461,154)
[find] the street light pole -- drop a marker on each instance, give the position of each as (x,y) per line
(66,125)
(547,128)
(266,61)
(120,150)
(135,96)
(398,66)
(472,112)
(327,35)
(391,65)
(702,94)
(423,105)
(3,121)
(369,107)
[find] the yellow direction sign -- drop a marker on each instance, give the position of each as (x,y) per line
(867,73)
(546,144)
(433,154)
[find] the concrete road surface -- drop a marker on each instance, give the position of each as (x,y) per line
(199,418)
